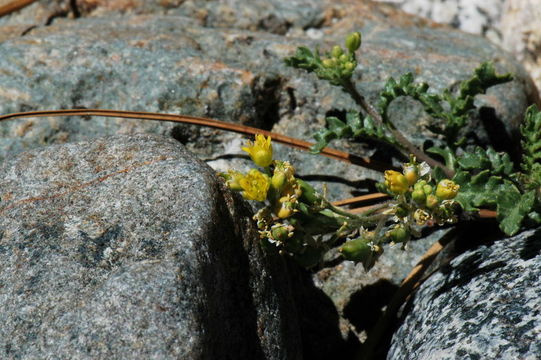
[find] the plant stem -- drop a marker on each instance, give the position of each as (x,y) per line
(242,129)
(350,88)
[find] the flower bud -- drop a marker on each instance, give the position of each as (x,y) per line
(427,189)
(353,41)
(281,232)
(278,180)
(447,189)
(286,208)
(343,58)
(432,201)
(349,66)
(337,51)
(411,173)
(398,234)
(418,196)
(396,182)
(419,185)
(328,63)
(358,250)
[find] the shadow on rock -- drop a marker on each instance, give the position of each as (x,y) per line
(318,320)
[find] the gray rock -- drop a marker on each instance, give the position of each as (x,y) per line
(484,305)
(521,33)
(223,59)
(129,248)
(474,16)
(173,64)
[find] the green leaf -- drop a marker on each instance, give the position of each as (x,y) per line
(513,207)
(447,155)
(500,162)
(531,142)
(354,127)
(304,59)
(478,190)
(484,77)
(535,217)
(481,159)
(476,160)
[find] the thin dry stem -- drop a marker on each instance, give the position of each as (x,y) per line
(14,6)
(242,129)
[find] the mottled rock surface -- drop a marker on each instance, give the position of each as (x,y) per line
(511,24)
(129,248)
(473,16)
(521,33)
(484,305)
(230,68)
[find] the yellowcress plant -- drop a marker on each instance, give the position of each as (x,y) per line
(298,221)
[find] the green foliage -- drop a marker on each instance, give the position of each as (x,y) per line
(479,190)
(513,206)
(304,59)
(531,145)
(487,179)
(336,66)
(354,127)
(498,163)
(454,111)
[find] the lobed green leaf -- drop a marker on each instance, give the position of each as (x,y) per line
(354,127)
(513,207)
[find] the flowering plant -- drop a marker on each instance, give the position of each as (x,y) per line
(433,187)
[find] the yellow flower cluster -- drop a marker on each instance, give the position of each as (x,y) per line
(281,189)
(396,182)
(418,200)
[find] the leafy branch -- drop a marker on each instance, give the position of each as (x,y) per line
(455,111)
(337,67)
(487,178)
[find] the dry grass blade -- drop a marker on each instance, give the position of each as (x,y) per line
(242,129)
(361,199)
(14,6)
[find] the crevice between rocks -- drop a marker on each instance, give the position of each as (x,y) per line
(267,94)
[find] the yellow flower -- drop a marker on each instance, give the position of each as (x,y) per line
(421,216)
(396,182)
(260,151)
(255,185)
(447,189)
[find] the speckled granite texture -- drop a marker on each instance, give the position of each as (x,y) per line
(129,248)
(485,305)
(224,60)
